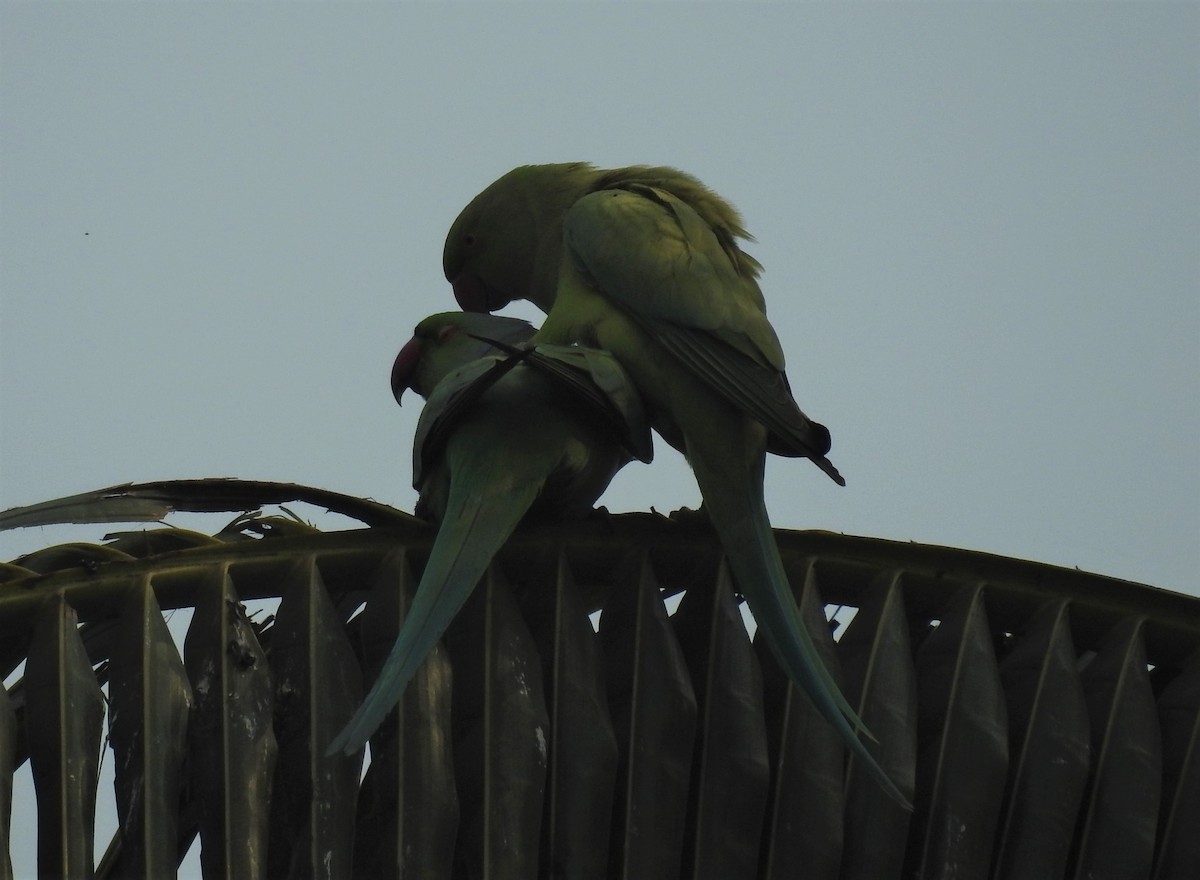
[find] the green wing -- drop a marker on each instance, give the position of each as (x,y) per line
(454,396)
(596,382)
(664,266)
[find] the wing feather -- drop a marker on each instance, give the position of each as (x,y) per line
(455,395)
(594,380)
(659,261)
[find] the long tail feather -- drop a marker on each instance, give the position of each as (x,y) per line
(481,515)
(740,516)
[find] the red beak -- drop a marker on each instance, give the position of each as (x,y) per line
(404,367)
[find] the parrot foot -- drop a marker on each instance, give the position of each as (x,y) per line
(603,517)
(691,519)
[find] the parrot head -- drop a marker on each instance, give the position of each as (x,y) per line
(510,234)
(444,342)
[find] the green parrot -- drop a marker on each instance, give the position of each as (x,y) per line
(527,430)
(643,262)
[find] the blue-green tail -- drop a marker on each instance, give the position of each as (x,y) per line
(481,514)
(739,513)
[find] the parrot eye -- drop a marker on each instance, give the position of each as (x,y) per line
(469,240)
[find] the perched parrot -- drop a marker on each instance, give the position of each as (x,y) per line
(643,262)
(505,431)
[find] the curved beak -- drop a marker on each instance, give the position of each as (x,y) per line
(404,367)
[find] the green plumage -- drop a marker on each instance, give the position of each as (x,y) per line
(501,436)
(644,262)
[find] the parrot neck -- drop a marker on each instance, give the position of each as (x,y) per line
(548,200)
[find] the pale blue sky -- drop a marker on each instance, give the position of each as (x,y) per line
(980,226)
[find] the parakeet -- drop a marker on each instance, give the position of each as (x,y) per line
(505,431)
(643,262)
